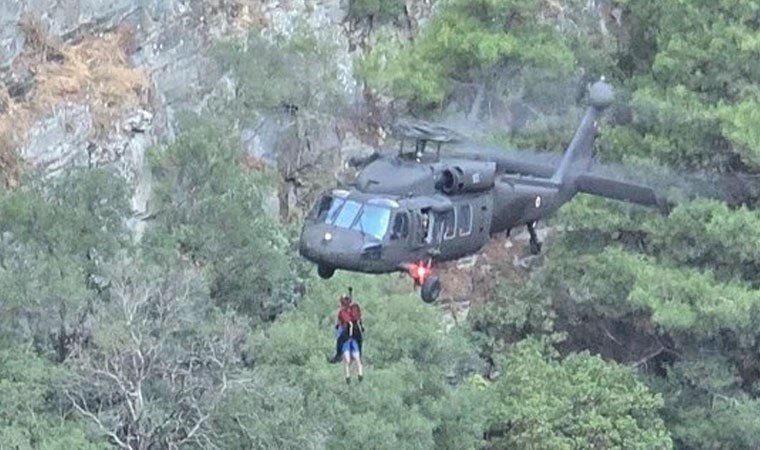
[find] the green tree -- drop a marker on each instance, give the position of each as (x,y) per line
(467,42)
(511,313)
(676,295)
(210,210)
(29,421)
(706,406)
(694,81)
(673,295)
(709,235)
(55,234)
(578,402)
(283,70)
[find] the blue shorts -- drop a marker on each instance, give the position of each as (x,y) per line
(350,346)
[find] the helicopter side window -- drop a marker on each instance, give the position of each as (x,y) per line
(465,219)
(449,228)
(400,226)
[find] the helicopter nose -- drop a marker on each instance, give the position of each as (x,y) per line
(327,244)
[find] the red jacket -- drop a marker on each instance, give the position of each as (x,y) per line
(344,316)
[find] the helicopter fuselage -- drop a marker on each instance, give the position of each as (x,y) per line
(403,212)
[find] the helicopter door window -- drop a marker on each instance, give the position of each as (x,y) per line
(465,219)
(426,230)
(430,237)
(449,226)
(400,226)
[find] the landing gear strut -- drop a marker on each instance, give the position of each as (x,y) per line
(535,245)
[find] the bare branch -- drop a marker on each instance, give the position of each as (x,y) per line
(191,433)
(647,357)
(611,336)
(82,410)
(194,371)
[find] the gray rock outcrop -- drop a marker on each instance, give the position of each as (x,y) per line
(173,41)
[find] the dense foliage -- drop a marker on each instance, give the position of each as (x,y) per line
(468,42)
(210,210)
(638,330)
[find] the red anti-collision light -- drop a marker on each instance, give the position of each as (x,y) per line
(419,272)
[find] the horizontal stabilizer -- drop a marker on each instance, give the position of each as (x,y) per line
(618,190)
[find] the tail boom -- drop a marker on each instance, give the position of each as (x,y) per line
(617,190)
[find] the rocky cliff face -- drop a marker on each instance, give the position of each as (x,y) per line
(97,82)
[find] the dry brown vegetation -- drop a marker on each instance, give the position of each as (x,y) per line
(95,70)
(494,263)
(243,15)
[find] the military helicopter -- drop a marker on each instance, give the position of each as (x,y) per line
(413,210)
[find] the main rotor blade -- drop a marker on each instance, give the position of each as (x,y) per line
(522,162)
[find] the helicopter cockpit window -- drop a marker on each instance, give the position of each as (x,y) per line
(449,229)
(465,219)
(370,219)
(326,208)
(400,226)
(373,220)
(347,214)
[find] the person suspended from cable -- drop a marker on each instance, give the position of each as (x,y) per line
(357,326)
(351,350)
(349,327)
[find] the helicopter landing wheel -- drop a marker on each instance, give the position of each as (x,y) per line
(325,272)
(431,288)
